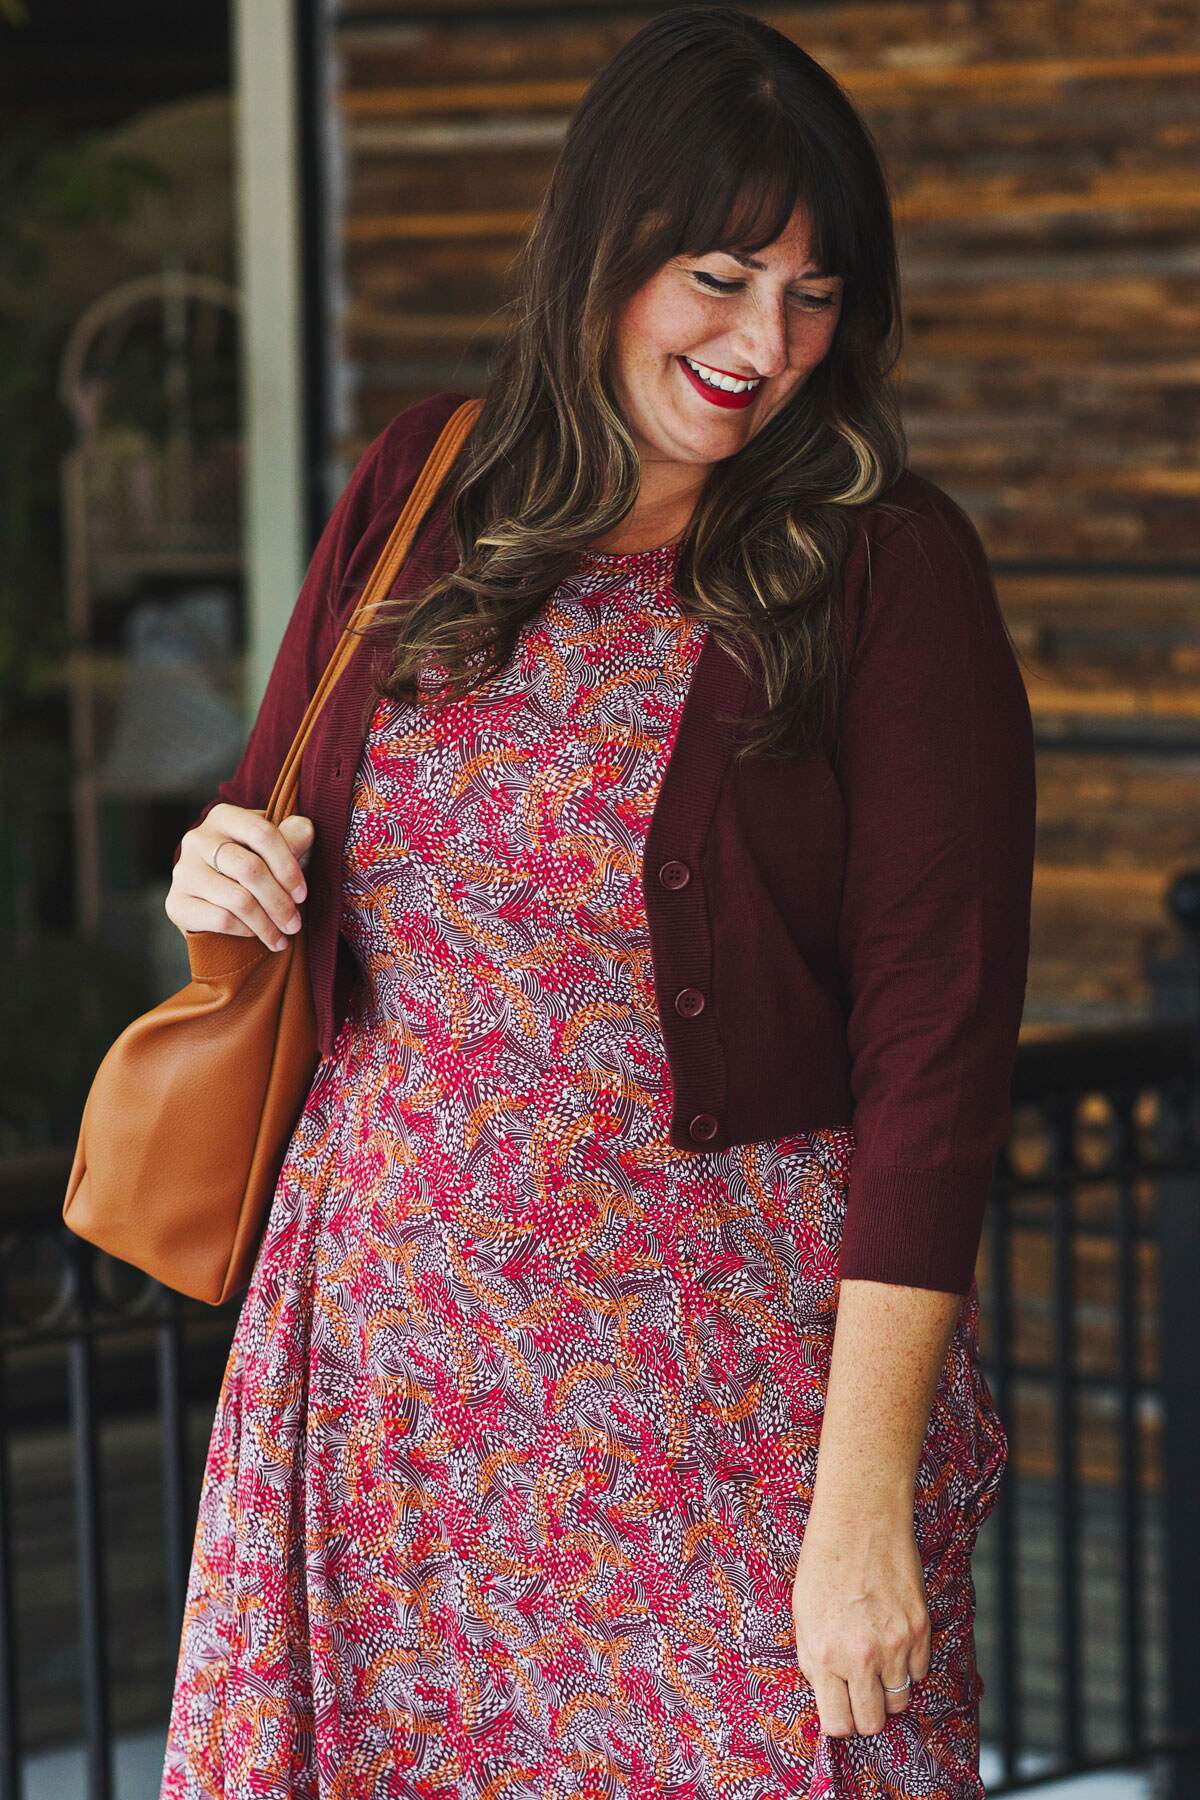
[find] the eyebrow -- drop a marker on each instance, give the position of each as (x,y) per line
(752,262)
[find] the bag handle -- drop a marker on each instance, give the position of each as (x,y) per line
(421,496)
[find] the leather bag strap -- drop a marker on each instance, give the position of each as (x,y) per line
(421,496)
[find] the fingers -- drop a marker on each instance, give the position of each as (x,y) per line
(857,1704)
(899,1682)
(297,834)
(833,1705)
(255,890)
(848,1682)
(249,894)
(278,846)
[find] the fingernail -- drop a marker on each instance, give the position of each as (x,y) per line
(298,893)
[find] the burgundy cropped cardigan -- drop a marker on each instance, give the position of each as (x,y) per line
(856,920)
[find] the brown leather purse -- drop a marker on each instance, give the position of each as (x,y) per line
(189,1115)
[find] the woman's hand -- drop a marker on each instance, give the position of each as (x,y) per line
(260,877)
(858,1604)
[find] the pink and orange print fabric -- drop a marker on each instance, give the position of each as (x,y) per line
(513,1453)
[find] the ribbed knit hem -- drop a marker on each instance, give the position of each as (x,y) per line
(915,1227)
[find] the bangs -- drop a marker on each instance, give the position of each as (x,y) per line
(742,198)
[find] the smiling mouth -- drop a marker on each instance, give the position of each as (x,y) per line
(735,397)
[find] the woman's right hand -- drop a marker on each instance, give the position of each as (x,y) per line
(261,876)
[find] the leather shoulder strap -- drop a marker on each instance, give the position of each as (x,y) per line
(421,497)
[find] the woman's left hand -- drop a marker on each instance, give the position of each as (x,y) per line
(858,1605)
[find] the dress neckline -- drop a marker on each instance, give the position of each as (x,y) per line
(624,559)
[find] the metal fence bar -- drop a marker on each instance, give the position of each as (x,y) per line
(9,1743)
(1066,1491)
(89,1536)
(1129,1498)
(177,1538)
(1179,1240)
(1004,1518)
(1179,1262)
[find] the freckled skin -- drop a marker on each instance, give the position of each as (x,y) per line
(767,327)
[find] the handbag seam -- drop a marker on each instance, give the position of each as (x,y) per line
(231,969)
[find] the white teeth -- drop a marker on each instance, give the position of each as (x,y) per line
(714,379)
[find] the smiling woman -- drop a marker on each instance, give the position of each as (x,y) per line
(604,1417)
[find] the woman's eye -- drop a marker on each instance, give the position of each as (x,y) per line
(817,301)
(718,287)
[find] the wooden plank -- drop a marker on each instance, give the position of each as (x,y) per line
(1162,193)
(885,31)
(1043,82)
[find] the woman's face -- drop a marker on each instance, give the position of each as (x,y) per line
(773,323)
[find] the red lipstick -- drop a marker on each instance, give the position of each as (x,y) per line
(717,396)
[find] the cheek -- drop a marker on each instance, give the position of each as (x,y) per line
(661,324)
(816,340)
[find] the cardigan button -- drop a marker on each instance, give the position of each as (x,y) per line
(703,1126)
(674,874)
(689,1002)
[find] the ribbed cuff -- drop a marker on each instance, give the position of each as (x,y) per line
(915,1227)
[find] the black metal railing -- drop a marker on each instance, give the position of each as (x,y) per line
(1088,1572)
(1090,1575)
(108,1383)
(1089,1228)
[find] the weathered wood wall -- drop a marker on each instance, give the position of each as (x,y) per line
(1042,160)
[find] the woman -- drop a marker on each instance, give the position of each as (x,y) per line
(668,868)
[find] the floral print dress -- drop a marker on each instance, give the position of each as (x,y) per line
(517,1435)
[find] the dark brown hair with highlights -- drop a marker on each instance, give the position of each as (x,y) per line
(704,132)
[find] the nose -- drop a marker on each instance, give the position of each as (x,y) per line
(763,336)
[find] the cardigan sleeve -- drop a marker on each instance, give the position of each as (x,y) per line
(351,540)
(936,765)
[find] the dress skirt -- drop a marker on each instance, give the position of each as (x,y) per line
(517,1435)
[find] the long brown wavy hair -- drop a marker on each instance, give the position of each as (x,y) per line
(703,133)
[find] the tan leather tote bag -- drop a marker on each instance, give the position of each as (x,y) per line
(188,1118)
